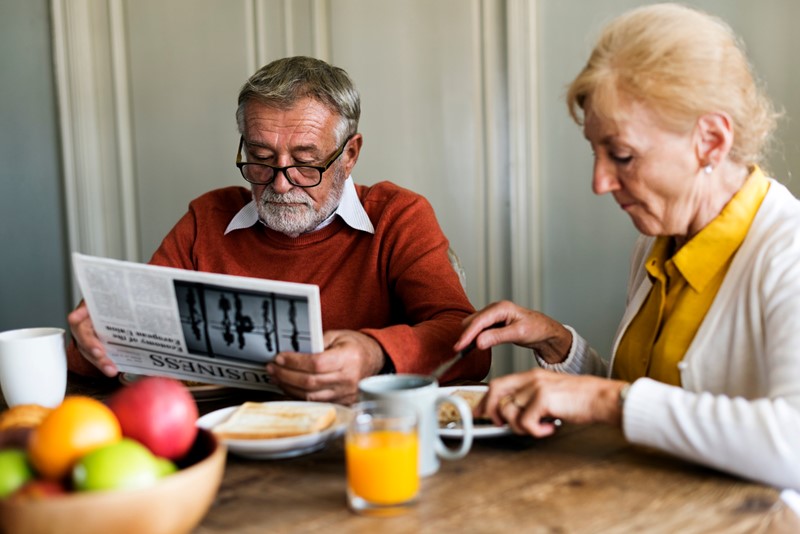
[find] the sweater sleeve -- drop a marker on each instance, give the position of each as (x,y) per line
(176,250)
(430,302)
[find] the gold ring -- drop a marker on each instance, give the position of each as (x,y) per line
(510,399)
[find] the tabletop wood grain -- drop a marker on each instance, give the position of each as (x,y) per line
(584,479)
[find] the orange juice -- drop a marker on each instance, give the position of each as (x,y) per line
(382,466)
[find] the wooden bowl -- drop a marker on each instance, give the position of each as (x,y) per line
(176,504)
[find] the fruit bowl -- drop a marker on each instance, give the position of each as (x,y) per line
(176,504)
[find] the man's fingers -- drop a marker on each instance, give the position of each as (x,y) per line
(322,363)
(318,395)
(78,315)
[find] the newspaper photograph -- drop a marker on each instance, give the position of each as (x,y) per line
(190,325)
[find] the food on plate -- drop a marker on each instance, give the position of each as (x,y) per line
(192,383)
(265,420)
(23,416)
(448,413)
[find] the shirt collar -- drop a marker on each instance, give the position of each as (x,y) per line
(349,209)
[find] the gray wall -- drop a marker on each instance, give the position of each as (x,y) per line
(33,256)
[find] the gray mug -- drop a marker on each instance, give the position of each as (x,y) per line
(422,393)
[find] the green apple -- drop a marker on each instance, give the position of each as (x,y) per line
(126,464)
(14,471)
(165,466)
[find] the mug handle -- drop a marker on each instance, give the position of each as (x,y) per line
(466,422)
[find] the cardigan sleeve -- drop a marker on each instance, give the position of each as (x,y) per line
(582,359)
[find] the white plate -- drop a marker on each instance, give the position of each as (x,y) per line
(479,431)
(279,447)
(200,392)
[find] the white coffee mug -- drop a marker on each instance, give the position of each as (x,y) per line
(422,392)
(33,366)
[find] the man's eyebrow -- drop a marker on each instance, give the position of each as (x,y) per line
(301,148)
(305,148)
(256,144)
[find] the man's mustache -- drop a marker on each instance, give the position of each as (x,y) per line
(275,198)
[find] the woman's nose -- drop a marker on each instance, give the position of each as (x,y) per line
(604,179)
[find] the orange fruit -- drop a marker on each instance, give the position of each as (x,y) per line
(77,426)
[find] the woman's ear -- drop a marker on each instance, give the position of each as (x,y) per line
(714,138)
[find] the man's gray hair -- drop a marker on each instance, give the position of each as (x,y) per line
(282,83)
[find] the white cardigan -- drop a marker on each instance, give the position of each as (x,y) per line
(738,409)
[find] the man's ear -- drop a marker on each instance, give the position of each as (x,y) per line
(713,138)
(351,152)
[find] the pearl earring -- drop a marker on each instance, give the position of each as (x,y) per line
(708,169)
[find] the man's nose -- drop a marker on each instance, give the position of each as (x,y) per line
(281,183)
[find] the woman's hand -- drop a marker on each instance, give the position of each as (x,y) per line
(525,400)
(505,322)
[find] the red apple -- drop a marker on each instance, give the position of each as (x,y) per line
(158,412)
(37,490)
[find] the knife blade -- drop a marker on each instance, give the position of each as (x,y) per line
(443,368)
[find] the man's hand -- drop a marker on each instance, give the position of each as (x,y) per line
(88,343)
(331,375)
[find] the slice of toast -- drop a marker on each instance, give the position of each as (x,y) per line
(268,420)
(448,412)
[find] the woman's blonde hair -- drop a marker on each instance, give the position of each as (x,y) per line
(681,63)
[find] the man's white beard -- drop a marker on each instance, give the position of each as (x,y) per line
(293,219)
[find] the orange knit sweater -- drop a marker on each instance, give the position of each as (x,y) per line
(397,285)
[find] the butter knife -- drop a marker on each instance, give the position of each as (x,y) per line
(442,369)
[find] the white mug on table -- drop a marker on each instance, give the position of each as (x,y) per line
(33,366)
(422,392)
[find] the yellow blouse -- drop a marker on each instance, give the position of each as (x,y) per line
(684,286)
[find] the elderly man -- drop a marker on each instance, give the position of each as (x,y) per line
(391,302)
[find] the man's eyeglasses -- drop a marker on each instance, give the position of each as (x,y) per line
(297,175)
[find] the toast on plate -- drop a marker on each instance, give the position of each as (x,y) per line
(269,420)
(449,414)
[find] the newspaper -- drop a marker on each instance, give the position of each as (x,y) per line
(190,325)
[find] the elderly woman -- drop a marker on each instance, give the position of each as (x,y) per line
(706,361)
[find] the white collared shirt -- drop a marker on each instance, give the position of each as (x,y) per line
(349,209)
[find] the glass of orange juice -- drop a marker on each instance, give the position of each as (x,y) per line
(381,450)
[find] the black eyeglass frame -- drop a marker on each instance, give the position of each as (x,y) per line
(320,168)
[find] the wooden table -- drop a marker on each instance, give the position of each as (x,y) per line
(583,479)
